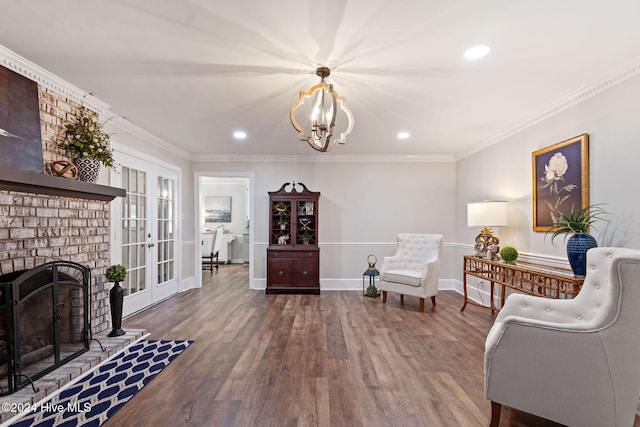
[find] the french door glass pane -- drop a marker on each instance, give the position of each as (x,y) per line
(134,229)
(166,226)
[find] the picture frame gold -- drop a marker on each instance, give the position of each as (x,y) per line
(560,180)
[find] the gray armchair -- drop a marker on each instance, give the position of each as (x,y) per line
(571,361)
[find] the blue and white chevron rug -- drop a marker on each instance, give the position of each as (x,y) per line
(92,400)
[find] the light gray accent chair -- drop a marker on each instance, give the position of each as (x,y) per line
(574,361)
(414,269)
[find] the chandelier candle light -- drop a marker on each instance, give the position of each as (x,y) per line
(487,214)
(318,116)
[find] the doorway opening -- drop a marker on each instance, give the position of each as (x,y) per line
(224,225)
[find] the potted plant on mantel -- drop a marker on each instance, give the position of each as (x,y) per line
(88,144)
(578,224)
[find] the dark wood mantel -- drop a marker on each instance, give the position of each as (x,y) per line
(29,182)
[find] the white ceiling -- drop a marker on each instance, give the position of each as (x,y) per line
(193,71)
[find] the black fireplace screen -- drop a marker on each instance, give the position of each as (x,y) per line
(44,321)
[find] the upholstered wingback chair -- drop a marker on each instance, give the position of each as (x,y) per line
(572,361)
(414,269)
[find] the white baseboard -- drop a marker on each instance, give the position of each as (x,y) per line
(354,284)
(478,293)
(186,284)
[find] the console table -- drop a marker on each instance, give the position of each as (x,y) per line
(531,278)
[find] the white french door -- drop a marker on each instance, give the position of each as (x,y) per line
(145,233)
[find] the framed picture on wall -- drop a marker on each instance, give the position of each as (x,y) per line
(217,209)
(560,180)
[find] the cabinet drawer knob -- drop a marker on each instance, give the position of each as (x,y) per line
(305,273)
(309,254)
(275,254)
(280,273)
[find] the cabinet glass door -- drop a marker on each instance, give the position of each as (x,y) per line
(306,224)
(281,223)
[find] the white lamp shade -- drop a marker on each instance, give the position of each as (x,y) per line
(487,214)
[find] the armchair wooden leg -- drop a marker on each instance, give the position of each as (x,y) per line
(421,305)
(433,300)
(495,414)
(402,298)
(384,297)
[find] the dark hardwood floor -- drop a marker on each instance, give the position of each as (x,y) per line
(335,359)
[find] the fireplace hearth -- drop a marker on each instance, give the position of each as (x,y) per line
(44,321)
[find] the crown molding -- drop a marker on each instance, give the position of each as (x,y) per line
(323,158)
(130,128)
(46,79)
(615,77)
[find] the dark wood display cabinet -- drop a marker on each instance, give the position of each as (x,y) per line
(293,255)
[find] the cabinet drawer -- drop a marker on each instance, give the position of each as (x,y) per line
(293,255)
(305,273)
(280,273)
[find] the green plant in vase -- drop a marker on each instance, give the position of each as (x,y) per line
(116,273)
(87,143)
(282,222)
(577,224)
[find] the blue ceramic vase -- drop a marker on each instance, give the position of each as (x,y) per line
(577,247)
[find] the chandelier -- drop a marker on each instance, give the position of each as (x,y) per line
(319,108)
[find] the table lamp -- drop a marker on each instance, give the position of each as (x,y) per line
(487,214)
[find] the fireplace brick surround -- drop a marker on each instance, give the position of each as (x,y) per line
(37,228)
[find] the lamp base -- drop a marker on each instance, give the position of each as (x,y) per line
(487,244)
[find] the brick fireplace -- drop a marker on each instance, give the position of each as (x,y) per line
(39,224)
(35,229)
(45,218)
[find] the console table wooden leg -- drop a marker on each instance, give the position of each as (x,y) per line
(491,303)
(464,288)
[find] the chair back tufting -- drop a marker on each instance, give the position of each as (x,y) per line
(416,249)
(572,361)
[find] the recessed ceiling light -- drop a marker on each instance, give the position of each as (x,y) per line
(403,135)
(240,134)
(477,52)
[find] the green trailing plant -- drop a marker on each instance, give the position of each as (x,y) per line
(282,221)
(116,273)
(509,254)
(85,137)
(577,221)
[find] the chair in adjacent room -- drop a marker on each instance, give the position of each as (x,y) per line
(210,259)
(571,361)
(414,269)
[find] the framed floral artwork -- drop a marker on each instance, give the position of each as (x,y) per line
(560,180)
